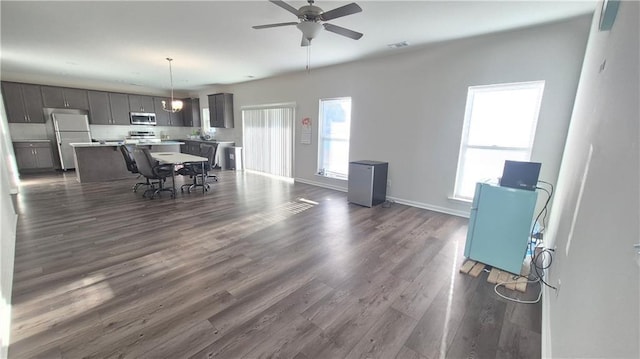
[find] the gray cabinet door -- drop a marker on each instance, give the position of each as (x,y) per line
(33,103)
(44,156)
(59,97)
(23,102)
(140,103)
(162,116)
(177,118)
(119,103)
(99,109)
(25,158)
(221,110)
(53,97)
(76,98)
(191,116)
(14,103)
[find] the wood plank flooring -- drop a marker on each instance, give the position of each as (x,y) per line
(249,271)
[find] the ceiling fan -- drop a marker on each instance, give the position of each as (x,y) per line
(310,18)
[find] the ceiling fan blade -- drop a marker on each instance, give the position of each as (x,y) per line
(340,12)
(342,31)
(274,25)
(285,6)
(305,41)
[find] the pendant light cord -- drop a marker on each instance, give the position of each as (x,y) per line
(171,79)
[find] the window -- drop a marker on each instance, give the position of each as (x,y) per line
(333,144)
(499,124)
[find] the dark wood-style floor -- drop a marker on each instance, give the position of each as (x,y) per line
(251,270)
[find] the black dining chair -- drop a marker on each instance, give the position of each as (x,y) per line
(194,169)
(153,171)
(132,167)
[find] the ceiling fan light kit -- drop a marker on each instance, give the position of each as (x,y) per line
(309,29)
(176,105)
(311,17)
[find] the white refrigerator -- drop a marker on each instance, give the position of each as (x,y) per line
(70,128)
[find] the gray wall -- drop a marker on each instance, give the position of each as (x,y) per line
(408,108)
(596,213)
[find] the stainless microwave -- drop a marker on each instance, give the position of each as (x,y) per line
(142,118)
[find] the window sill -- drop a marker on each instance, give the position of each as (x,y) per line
(332,177)
(461,200)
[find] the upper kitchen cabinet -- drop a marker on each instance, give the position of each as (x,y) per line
(61,97)
(119,104)
(99,108)
(140,103)
(163,117)
(221,110)
(23,102)
(177,118)
(191,112)
(166,118)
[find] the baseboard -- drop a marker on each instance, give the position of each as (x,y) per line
(430,207)
(546,324)
(320,184)
(407,202)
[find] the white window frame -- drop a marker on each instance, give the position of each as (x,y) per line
(464,144)
(321,139)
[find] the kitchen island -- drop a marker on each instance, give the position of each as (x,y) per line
(103,162)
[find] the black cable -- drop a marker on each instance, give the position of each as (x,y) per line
(534,257)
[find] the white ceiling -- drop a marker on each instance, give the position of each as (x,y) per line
(123,42)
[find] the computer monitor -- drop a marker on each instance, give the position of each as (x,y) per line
(522,175)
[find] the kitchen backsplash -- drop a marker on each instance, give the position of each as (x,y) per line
(28,131)
(111,132)
(38,131)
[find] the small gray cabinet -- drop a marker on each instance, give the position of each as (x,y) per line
(191,112)
(23,102)
(61,97)
(33,155)
(99,108)
(141,103)
(163,117)
(119,104)
(166,118)
(221,110)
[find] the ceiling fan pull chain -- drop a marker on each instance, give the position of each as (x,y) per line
(308,59)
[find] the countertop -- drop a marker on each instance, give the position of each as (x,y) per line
(207,141)
(31,141)
(120,143)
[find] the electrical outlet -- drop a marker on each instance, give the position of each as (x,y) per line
(558,287)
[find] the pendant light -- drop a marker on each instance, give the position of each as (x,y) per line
(176,105)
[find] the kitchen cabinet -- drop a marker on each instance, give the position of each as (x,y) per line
(191,112)
(23,102)
(35,155)
(221,110)
(99,108)
(191,147)
(177,118)
(119,104)
(62,97)
(141,103)
(165,118)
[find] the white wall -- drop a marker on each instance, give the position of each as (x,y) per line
(408,108)
(596,312)
(8,217)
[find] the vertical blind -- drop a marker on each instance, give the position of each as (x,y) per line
(268,140)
